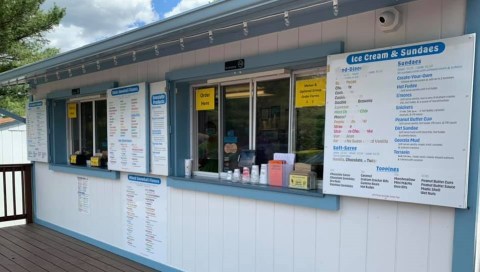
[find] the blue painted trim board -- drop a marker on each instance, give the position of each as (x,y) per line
(85,171)
(12,115)
(320,201)
(107,247)
(464,238)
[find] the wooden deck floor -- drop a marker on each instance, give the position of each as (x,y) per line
(36,248)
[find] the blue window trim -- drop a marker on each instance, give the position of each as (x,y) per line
(179,89)
(464,237)
(85,171)
(310,199)
(57,100)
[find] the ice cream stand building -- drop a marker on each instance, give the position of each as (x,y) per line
(172,144)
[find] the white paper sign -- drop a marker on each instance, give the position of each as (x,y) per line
(127,129)
(398,122)
(159,128)
(83,194)
(145,217)
(37,136)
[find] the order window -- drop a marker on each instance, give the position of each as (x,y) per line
(259,114)
(88,127)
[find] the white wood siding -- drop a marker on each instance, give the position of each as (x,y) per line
(210,232)
(13,144)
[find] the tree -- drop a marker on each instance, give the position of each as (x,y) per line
(22,27)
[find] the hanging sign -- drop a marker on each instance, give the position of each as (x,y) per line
(159,128)
(128,127)
(72,110)
(398,122)
(310,92)
(205,99)
(37,132)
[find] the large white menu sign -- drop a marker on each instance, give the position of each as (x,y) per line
(37,136)
(145,217)
(159,128)
(398,122)
(128,129)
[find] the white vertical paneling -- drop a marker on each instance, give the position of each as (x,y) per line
(453,18)
(413,225)
(264,236)
(188,59)
(201,232)
(230,234)
(353,239)
(423,20)
(335,30)
(175,232)
(153,75)
(249,47)
(215,233)
(142,72)
(284,232)
(310,34)
(116,190)
(163,66)
(267,43)
(305,238)
(217,53)
(288,39)
(202,56)
(381,236)
(188,231)
(360,31)
(441,239)
(232,50)
(175,62)
(246,234)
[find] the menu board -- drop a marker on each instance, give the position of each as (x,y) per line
(37,136)
(145,217)
(159,128)
(128,129)
(398,122)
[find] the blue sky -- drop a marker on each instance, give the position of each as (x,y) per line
(89,21)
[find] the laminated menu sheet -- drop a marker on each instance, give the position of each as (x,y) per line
(398,122)
(128,129)
(37,131)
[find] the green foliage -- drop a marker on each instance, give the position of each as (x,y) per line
(22,28)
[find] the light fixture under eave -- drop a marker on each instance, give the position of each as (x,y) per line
(246,94)
(248,76)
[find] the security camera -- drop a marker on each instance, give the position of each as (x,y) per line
(388,19)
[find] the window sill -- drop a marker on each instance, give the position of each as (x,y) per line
(311,199)
(86,171)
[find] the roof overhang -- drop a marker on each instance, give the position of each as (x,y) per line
(225,17)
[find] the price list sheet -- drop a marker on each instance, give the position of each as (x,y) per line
(145,217)
(159,128)
(128,129)
(398,122)
(37,136)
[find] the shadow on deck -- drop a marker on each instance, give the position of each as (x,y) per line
(35,248)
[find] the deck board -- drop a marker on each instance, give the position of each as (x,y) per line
(29,248)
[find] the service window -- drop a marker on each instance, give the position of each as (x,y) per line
(277,114)
(87,122)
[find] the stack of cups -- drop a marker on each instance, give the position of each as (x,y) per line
(236,175)
(229,175)
(264,174)
(188,168)
(255,176)
(246,175)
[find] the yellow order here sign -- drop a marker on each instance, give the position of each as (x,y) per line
(205,99)
(310,92)
(72,110)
